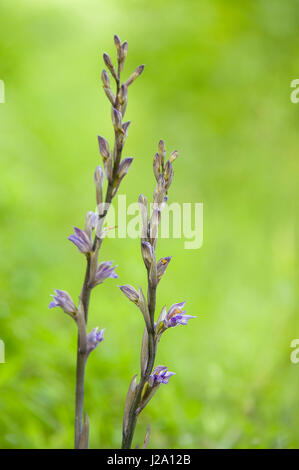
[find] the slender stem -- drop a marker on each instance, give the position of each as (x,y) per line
(80,373)
(128,433)
(86,290)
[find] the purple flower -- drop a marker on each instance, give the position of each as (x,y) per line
(81,240)
(159,376)
(94,338)
(104,271)
(175,316)
(130,292)
(63,299)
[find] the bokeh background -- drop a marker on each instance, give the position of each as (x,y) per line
(217,87)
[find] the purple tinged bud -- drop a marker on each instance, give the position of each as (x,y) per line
(117,41)
(124,167)
(156,166)
(123,94)
(91,221)
(81,240)
(99,176)
(104,147)
(161,146)
(105,79)
(173,156)
(168,174)
(125,126)
(94,338)
(122,54)
(159,376)
(130,292)
(124,50)
(154,227)
(110,95)
(108,169)
(104,271)
(108,62)
(162,266)
(144,215)
(176,316)
(98,181)
(134,75)
(63,299)
(162,152)
(122,171)
(147,253)
(116,119)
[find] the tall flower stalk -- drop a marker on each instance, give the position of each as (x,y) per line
(151,377)
(89,240)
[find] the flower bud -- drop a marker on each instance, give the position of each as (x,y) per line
(105,79)
(147,253)
(108,168)
(134,75)
(162,266)
(168,175)
(108,62)
(116,119)
(98,181)
(130,292)
(91,220)
(173,156)
(154,227)
(123,94)
(117,41)
(124,167)
(104,147)
(122,171)
(156,166)
(162,152)
(110,95)
(144,215)
(122,53)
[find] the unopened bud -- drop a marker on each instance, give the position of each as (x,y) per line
(98,180)
(147,253)
(117,41)
(130,292)
(168,174)
(125,126)
(156,166)
(108,62)
(116,119)
(162,152)
(105,79)
(173,156)
(110,95)
(122,54)
(108,169)
(123,94)
(134,75)
(122,171)
(104,147)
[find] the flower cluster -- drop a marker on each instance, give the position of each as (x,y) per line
(89,240)
(151,377)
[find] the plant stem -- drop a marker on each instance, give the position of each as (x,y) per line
(85,297)
(128,433)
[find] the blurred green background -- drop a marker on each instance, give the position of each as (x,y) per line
(216,87)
